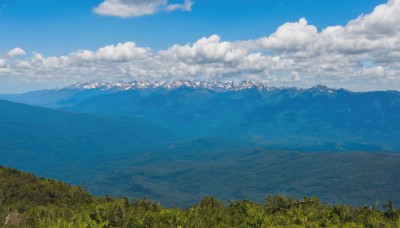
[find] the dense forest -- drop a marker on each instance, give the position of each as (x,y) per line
(29,201)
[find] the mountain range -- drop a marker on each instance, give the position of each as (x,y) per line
(177,141)
(318,118)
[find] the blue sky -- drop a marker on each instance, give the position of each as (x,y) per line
(53,26)
(57,28)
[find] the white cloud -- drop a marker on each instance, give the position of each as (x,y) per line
(3,63)
(186,6)
(15,52)
(137,8)
(121,53)
(290,37)
(205,50)
(371,34)
(363,54)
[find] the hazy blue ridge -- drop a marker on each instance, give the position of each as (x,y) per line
(315,119)
(178,145)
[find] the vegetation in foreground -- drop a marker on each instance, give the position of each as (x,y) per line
(28,201)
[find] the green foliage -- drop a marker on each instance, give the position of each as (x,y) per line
(22,190)
(27,201)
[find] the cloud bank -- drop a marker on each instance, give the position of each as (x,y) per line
(137,8)
(362,55)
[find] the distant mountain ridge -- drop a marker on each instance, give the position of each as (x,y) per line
(173,84)
(320,118)
(77,92)
(217,86)
(67,96)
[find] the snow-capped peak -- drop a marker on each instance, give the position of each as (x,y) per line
(173,84)
(321,89)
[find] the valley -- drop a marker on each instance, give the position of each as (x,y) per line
(177,142)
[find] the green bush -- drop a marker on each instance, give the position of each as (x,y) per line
(27,201)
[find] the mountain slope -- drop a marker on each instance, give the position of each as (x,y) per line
(312,119)
(185,173)
(33,138)
(73,94)
(340,120)
(22,190)
(315,119)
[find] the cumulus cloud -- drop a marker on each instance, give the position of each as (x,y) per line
(121,52)
(290,37)
(15,52)
(371,34)
(137,8)
(363,54)
(206,50)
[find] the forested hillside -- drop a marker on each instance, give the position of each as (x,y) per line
(28,201)
(130,156)
(34,137)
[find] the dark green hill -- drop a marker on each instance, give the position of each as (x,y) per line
(20,190)
(28,201)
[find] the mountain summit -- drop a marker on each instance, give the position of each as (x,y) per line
(173,84)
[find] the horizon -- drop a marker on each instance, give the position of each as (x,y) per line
(226,113)
(80,85)
(285,43)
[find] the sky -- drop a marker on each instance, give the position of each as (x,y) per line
(339,43)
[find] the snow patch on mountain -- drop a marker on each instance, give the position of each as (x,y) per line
(173,84)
